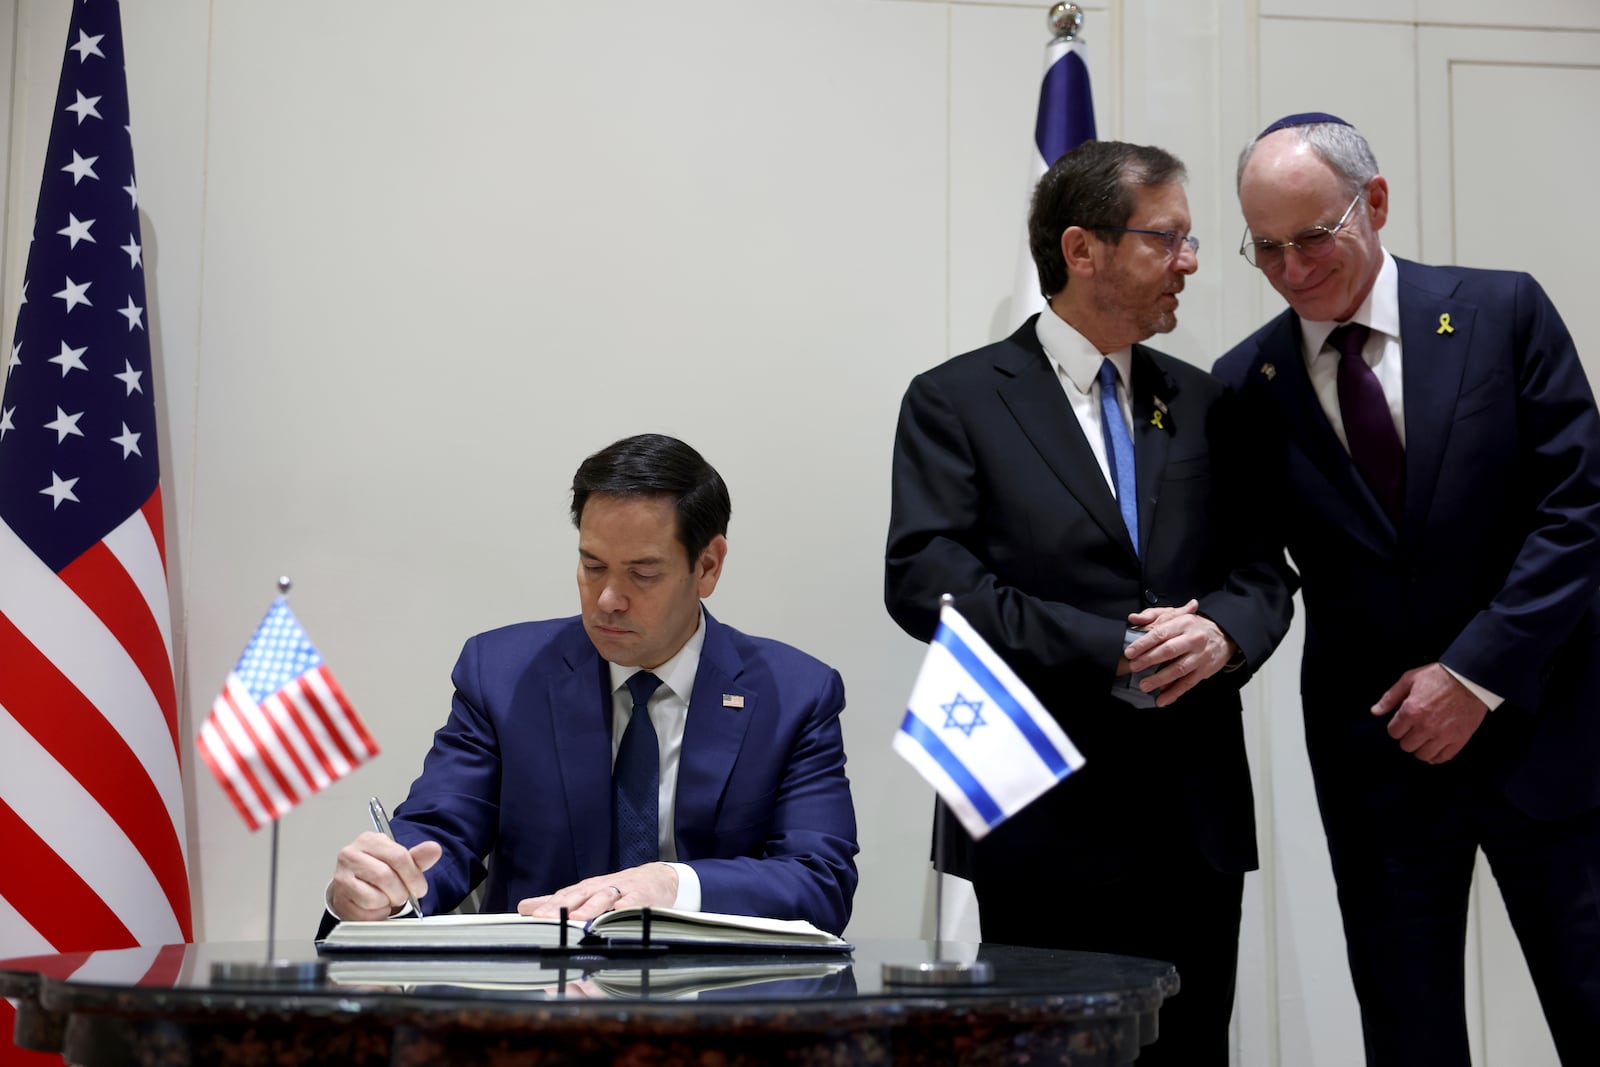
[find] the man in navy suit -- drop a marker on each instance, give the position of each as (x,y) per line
(739,803)
(1064,485)
(1435,472)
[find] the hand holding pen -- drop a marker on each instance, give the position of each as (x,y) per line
(380,822)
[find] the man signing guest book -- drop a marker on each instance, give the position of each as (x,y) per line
(641,754)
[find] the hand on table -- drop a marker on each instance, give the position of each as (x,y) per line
(652,885)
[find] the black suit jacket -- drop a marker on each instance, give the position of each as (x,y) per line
(998,500)
(1495,568)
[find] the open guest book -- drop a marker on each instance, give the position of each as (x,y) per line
(698,930)
(779,978)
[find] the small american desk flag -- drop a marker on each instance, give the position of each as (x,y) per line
(281,729)
(977,734)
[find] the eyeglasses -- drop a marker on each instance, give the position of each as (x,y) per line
(1312,244)
(1172,240)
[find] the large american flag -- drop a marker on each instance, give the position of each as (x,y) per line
(91,797)
(282,728)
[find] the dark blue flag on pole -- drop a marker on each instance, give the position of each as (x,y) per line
(91,796)
(1065,120)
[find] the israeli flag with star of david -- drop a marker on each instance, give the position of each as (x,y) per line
(977,734)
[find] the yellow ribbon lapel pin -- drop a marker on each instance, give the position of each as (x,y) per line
(1444,324)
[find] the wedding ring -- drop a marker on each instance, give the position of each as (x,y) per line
(617,891)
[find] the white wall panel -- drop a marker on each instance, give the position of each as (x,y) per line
(1508,145)
(1351,10)
(1524,14)
(448,257)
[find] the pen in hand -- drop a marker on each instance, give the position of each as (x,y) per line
(380,822)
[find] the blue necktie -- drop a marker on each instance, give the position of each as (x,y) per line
(1119,451)
(635,783)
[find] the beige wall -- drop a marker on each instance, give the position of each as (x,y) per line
(410,262)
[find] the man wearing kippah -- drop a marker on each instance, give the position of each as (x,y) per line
(1086,501)
(1434,449)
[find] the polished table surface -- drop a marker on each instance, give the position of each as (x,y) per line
(165,1006)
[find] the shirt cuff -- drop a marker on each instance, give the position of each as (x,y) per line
(327,906)
(1490,700)
(688,898)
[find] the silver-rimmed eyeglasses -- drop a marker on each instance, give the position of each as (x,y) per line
(1171,240)
(1314,243)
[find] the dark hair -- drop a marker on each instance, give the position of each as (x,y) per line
(1091,186)
(653,464)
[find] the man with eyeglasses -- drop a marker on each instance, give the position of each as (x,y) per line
(1071,487)
(1433,449)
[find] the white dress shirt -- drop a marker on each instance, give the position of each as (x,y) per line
(1077,364)
(1380,313)
(669,712)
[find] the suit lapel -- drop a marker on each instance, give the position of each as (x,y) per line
(580,714)
(720,710)
(1431,367)
(1307,426)
(1032,392)
(1150,391)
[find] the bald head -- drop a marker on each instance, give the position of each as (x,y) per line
(1289,187)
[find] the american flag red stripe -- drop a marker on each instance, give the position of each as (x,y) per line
(100,581)
(345,730)
(282,729)
(236,780)
(36,881)
(298,729)
(86,744)
(72,687)
(166,968)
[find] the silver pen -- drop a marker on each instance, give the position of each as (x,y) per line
(380,822)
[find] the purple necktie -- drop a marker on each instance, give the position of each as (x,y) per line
(1368,426)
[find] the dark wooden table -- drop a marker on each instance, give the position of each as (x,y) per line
(163,1007)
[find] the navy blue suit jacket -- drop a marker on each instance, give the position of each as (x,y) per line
(1495,568)
(999,501)
(522,770)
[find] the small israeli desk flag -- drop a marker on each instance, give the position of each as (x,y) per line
(976,733)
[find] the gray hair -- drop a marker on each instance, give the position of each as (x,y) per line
(1340,146)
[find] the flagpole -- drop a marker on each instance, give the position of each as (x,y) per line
(938,869)
(939,971)
(271,971)
(1065,119)
(272,895)
(284,585)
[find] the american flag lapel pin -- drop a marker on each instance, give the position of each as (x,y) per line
(733,700)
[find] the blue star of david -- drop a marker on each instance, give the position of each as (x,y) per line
(952,717)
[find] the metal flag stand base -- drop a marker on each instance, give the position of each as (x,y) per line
(939,971)
(271,972)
